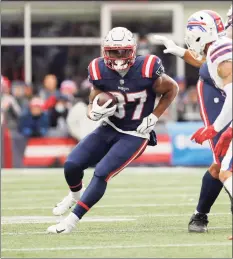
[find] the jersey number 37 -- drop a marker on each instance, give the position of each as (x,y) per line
(130,97)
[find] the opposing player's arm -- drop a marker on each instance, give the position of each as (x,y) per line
(191,60)
(168,89)
(172,48)
(225,72)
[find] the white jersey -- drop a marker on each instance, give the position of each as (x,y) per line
(219,51)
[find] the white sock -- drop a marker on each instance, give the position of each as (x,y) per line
(196,212)
(228,185)
(76,195)
(72,219)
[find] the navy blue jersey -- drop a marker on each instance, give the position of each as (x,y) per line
(134,91)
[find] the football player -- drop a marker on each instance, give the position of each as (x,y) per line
(211,101)
(127,126)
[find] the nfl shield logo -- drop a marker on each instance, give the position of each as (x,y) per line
(121,81)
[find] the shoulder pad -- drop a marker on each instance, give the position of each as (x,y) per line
(148,66)
(94,69)
(220,49)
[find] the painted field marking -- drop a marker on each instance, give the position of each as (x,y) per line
(114,247)
(117,206)
(128,170)
(54,219)
(112,231)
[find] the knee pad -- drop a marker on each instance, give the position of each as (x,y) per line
(71,169)
(100,173)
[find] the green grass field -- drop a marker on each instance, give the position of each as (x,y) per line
(144,214)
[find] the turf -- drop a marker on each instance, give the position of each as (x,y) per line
(144,213)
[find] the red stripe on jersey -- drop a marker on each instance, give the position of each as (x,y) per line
(152,64)
(97,69)
(91,71)
(144,66)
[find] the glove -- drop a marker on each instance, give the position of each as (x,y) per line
(203,134)
(98,112)
(170,45)
(224,142)
(147,124)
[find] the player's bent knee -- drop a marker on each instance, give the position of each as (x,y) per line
(214,170)
(224,175)
(71,168)
(100,172)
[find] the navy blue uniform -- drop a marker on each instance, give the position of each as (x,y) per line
(113,145)
(211,101)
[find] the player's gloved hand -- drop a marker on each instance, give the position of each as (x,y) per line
(98,112)
(203,134)
(224,142)
(170,45)
(147,124)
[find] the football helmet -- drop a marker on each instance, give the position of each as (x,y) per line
(119,49)
(203,27)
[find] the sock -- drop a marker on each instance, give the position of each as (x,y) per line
(93,193)
(228,185)
(71,219)
(210,190)
(76,195)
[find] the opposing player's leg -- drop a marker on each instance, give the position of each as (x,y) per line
(87,153)
(122,153)
(226,171)
(211,101)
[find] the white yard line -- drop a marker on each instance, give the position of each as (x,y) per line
(128,170)
(53,219)
(114,247)
(117,206)
(107,196)
(112,231)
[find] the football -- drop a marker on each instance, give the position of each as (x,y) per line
(104,97)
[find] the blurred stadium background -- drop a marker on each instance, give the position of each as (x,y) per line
(46,48)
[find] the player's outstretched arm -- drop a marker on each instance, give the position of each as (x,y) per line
(225,72)
(168,89)
(172,48)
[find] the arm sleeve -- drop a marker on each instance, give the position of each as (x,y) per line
(225,115)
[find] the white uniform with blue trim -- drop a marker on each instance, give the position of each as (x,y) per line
(218,52)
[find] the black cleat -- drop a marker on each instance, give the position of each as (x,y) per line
(198,223)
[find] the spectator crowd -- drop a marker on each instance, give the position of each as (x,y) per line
(60,110)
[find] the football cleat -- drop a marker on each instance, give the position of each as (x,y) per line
(198,223)
(65,226)
(67,203)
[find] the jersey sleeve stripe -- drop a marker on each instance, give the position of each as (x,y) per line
(152,66)
(144,66)
(148,66)
(94,70)
(220,47)
(221,53)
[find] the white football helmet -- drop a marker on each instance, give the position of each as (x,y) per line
(119,49)
(203,27)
